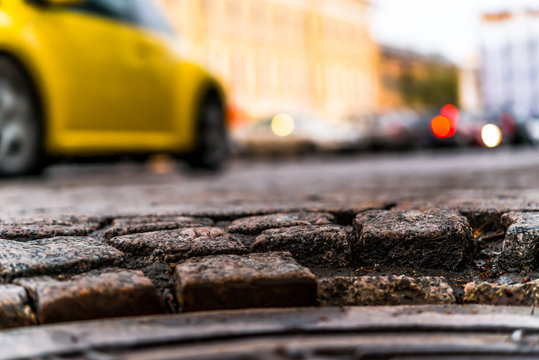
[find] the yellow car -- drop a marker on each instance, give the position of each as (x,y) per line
(101,77)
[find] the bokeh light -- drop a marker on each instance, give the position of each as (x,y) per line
(491,135)
(441,126)
(282,125)
(451,112)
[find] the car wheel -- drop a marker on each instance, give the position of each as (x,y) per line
(212,138)
(20,132)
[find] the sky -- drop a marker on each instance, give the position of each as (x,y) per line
(450,28)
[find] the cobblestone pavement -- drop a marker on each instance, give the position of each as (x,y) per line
(415,229)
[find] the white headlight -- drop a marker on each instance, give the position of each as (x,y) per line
(491,135)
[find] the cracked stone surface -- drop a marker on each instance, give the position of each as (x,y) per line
(424,239)
(254,225)
(144,224)
(176,245)
(384,290)
(48,228)
(310,245)
(55,255)
(14,308)
(85,297)
(257,280)
(500,294)
(520,246)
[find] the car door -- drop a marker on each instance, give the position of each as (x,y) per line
(110,73)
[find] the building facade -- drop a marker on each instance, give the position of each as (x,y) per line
(284,55)
(510,62)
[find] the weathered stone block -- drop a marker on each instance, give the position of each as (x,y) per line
(423,239)
(14,308)
(497,294)
(84,297)
(248,281)
(48,228)
(384,290)
(310,245)
(254,225)
(49,256)
(124,226)
(175,245)
(521,244)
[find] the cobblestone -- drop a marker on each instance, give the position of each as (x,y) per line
(498,294)
(84,297)
(254,225)
(256,280)
(144,224)
(310,245)
(55,255)
(14,308)
(384,290)
(176,245)
(48,228)
(423,239)
(521,242)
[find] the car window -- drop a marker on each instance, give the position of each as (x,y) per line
(148,15)
(116,9)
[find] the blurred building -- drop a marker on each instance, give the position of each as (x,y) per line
(470,86)
(284,55)
(414,80)
(510,62)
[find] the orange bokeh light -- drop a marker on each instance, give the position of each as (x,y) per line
(442,127)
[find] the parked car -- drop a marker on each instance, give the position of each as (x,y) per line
(297,133)
(532,129)
(516,129)
(101,77)
(396,130)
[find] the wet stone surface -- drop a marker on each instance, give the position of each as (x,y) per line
(310,245)
(384,290)
(84,297)
(55,255)
(257,280)
(423,239)
(500,294)
(125,226)
(256,224)
(48,228)
(176,245)
(521,243)
(14,308)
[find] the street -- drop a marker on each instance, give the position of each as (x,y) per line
(336,238)
(132,188)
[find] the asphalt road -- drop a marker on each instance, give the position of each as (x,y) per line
(163,187)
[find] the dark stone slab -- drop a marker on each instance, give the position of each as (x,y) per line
(521,243)
(144,224)
(248,281)
(310,245)
(84,297)
(175,245)
(380,332)
(384,290)
(14,308)
(51,256)
(423,239)
(48,228)
(254,225)
(499,294)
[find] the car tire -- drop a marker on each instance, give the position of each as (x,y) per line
(212,147)
(21,150)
